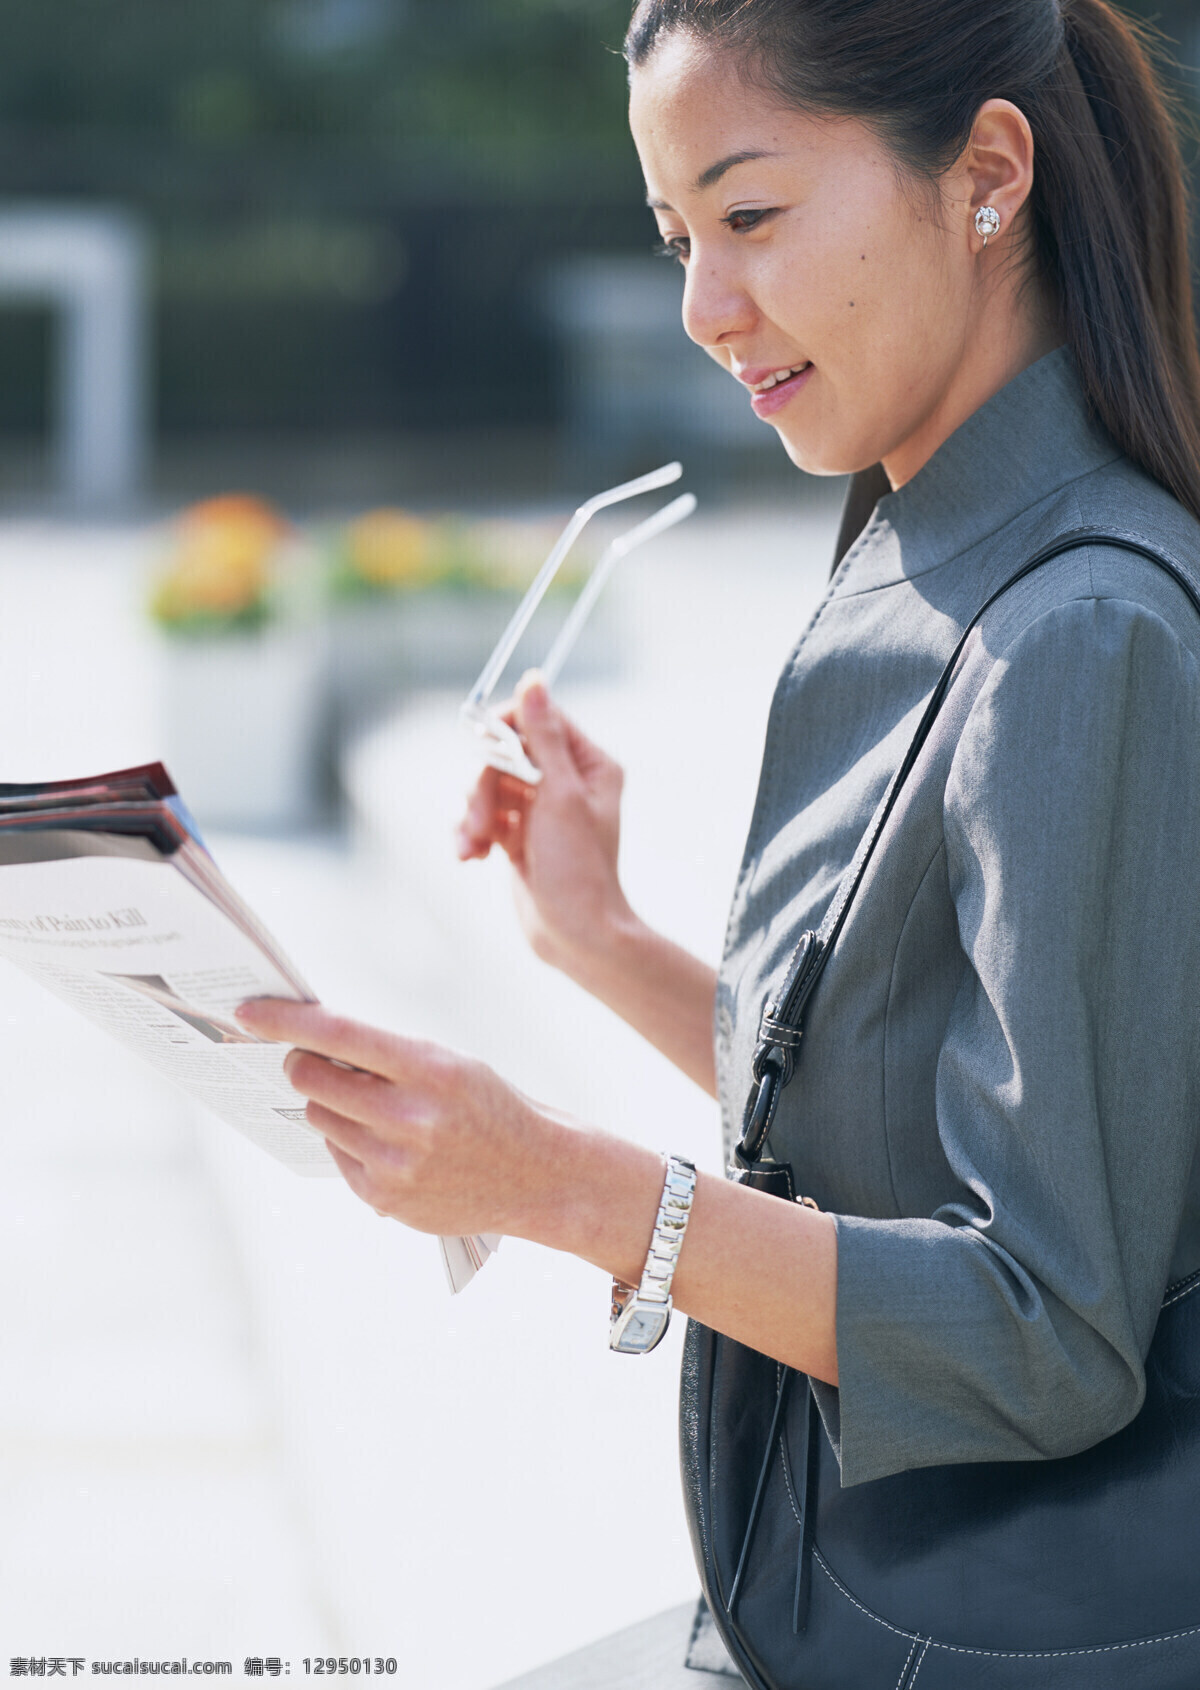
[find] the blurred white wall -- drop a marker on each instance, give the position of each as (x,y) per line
(91,265)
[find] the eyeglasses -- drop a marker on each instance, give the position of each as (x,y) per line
(502,744)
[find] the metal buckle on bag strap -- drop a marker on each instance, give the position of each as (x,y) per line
(760,1106)
(774,1062)
(763,1173)
(773,1065)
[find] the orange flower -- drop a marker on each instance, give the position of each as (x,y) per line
(222,561)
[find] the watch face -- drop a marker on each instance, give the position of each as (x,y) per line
(642,1329)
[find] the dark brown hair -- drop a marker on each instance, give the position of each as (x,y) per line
(1108,208)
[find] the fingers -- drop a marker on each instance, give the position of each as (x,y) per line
(354,1140)
(353,1172)
(559,749)
(555,743)
(477,831)
(496,811)
(374,1183)
(595,765)
(316,1029)
(366,1139)
(576,805)
(544,729)
(376,1102)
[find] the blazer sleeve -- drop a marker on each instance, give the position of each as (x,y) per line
(1013,1323)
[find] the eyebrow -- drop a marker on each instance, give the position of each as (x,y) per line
(714,173)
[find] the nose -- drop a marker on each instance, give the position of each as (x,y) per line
(716,307)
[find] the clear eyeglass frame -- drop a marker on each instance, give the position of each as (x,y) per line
(502,745)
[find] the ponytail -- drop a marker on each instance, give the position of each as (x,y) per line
(1111,232)
(1108,207)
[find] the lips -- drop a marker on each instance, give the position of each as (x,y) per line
(770,389)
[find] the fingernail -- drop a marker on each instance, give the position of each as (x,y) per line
(532,692)
(244,1012)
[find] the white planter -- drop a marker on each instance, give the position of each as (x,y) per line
(244,718)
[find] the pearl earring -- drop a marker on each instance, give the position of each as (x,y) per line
(987,221)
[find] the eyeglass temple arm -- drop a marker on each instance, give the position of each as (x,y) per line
(667,517)
(524,612)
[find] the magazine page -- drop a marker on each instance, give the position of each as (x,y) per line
(158,952)
(139,950)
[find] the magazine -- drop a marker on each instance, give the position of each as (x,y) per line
(110,899)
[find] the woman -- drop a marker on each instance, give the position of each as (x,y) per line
(943,246)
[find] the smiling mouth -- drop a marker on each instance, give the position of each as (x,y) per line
(777,388)
(778,377)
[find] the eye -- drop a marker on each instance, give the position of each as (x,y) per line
(742,221)
(674,246)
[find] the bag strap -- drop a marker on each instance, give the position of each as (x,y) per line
(782,1024)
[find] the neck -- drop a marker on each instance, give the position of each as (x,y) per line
(992,360)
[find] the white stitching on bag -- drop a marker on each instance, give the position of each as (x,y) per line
(912,1683)
(787,1479)
(904,1668)
(1184,1289)
(838,1585)
(1003,1654)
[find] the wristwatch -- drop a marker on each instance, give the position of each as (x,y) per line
(640,1317)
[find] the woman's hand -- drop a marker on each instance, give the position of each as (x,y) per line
(435,1139)
(562,836)
(443,1144)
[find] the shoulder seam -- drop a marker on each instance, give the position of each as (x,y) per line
(1095,596)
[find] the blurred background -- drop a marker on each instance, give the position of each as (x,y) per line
(381,245)
(317,317)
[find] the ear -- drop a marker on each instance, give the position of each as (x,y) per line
(997,167)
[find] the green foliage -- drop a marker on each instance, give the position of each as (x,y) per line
(220,73)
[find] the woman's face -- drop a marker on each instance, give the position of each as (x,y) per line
(806,251)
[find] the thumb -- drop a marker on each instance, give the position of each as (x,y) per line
(543,727)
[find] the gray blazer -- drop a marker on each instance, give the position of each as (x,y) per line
(999,1092)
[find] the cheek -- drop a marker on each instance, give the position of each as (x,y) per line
(884,291)
(879,323)
(833,299)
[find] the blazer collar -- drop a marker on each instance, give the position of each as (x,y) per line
(1021,446)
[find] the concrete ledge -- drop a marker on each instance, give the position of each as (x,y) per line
(647,1656)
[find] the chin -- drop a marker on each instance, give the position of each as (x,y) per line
(814,460)
(825,458)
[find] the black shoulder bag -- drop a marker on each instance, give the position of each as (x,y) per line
(1075,1574)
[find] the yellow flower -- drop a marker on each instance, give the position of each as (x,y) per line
(391,548)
